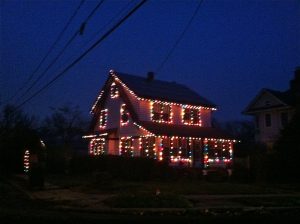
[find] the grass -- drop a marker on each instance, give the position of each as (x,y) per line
(90,183)
(148,201)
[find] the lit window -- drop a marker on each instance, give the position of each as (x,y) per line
(126,147)
(103,118)
(147,147)
(114,91)
(124,115)
(268,121)
(161,112)
(97,146)
(191,116)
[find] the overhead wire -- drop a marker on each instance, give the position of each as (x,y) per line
(60,35)
(180,37)
(95,34)
(103,37)
(63,49)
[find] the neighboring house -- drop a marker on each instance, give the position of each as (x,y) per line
(273,110)
(137,116)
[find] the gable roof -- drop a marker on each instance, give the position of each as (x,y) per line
(286,98)
(163,90)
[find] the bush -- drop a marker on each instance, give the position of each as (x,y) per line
(217,175)
(131,168)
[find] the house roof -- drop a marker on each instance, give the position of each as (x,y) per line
(163,90)
(286,99)
(183,130)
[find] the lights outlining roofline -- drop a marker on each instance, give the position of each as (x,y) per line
(117,80)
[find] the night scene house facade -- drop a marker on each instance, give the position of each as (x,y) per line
(141,116)
(273,110)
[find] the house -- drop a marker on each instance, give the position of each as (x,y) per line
(273,110)
(137,116)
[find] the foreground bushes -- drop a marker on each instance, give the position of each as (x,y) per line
(128,168)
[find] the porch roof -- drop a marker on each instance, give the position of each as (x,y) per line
(184,130)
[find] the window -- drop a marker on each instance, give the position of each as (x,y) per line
(284,119)
(126,147)
(257,121)
(103,118)
(267,103)
(191,116)
(161,112)
(97,146)
(114,91)
(147,147)
(268,122)
(124,115)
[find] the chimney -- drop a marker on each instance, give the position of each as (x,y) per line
(150,76)
(295,83)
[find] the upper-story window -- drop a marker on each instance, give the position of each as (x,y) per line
(268,121)
(103,118)
(124,115)
(284,119)
(191,116)
(114,91)
(161,112)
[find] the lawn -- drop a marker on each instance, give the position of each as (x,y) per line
(103,184)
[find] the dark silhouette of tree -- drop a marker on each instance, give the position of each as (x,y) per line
(62,132)
(17,131)
(286,166)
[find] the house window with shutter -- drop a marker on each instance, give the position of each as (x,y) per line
(103,119)
(161,112)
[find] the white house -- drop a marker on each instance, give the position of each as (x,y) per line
(141,116)
(273,110)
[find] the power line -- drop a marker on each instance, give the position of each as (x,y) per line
(60,35)
(179,38)
(95,34)
(103,37)
(63,50)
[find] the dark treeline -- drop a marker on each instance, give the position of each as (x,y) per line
(62,133)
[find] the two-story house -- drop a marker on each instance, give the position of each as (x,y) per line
(142,116)
(273,110)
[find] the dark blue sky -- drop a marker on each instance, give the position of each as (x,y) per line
(231,50)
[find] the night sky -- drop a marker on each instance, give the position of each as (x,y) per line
(231,50)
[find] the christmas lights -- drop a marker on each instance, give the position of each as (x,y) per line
(147,147)
(117,80)
(126,146)
(177,150)
(26,161)
(191,116)
(124,115)
(114,91)
(103,119)
(97,146)
(161,112)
